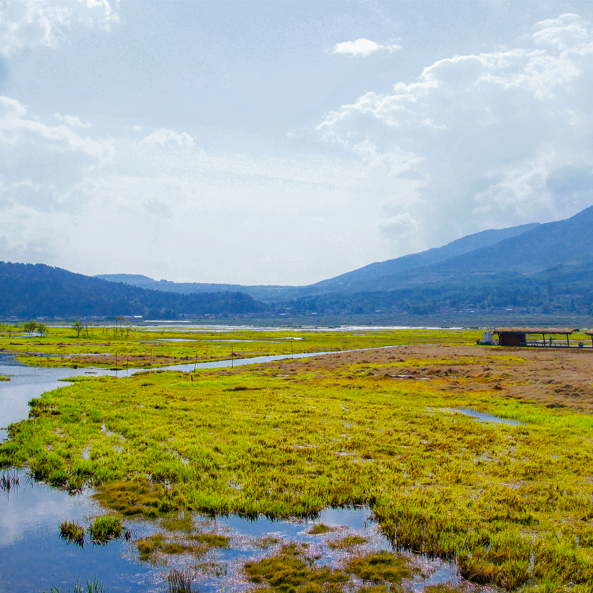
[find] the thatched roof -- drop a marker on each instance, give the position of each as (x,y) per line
(535,330)
(589,332)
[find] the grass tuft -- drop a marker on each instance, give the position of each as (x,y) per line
(72,532)
(106,528)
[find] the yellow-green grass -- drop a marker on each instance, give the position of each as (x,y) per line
(3,378)
(291,569)
(154,547)
(511,504)
(145,348)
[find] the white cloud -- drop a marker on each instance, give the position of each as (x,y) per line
(471,143)
(161,205)
(362,47)
(168,137)
(27,24)
(73,121)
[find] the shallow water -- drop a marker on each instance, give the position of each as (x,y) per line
(34,558)
(485,417)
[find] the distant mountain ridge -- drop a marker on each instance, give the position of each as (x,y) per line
(347,281)
(35,290)
(429,257)
(194,287)
(564,242)
(543,266)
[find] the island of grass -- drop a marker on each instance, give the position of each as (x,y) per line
(509,503)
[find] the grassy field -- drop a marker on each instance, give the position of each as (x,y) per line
(142,348)
(511,504)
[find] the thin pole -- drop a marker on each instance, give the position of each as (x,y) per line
(291,349)
(232,357)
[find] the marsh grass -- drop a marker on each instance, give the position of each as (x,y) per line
(72,532)
(347,543)
(145,348)
(320,529)
(179,581)
(9,481)
(106,528)
(510,504)
(153,548)
(291,569)
(381,568)
(93,586)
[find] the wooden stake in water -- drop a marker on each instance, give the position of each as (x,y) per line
(232,357)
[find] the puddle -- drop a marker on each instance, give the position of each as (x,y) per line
(34,558)
(484,417)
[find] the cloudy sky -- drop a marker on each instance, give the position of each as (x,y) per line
(284,142)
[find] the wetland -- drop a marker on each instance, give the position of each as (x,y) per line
(409,460)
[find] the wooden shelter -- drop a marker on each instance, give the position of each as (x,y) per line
(517,336)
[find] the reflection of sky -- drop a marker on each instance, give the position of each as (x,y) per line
(33,557)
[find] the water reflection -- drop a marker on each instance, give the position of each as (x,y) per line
(34,558)
(485,417)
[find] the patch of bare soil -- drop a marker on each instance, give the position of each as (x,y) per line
(556,378)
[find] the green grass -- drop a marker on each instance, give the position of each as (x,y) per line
(510,504)
(320,529)
(347,543)
(145,348)
(155,547)
(93,586)
(106,528)
(292,570)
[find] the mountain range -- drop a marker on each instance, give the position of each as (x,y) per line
(543,267)
(521,249)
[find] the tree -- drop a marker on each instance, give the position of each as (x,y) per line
(77,327)
(42,329)
(30,327)
(119,324)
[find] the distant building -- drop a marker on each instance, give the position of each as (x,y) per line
(517,336)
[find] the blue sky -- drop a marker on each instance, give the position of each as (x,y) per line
(284,142)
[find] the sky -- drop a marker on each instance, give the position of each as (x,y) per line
(285,142)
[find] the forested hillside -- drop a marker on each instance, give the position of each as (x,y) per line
(36,290)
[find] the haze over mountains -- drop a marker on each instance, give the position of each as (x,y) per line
(537,267)
(362,278)
(522,249)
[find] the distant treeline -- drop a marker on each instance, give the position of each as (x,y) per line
(37,290)
(559,289)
